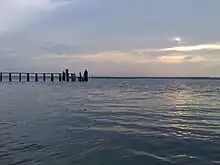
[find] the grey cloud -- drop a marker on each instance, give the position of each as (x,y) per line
(123,24)
(58,48)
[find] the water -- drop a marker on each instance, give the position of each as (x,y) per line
(109,122)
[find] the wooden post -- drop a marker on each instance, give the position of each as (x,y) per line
(63,76)
(28,77)
(0,77)
(60,77)
(20,77)
(80,77)
(85,76)
(67,75)
(10,77)
(36,77)
(73,77)
(44,77)
(52,77)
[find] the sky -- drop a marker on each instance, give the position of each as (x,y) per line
(111,37)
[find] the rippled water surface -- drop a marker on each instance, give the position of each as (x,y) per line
(109,122)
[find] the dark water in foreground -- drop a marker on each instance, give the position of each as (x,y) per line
(109,122)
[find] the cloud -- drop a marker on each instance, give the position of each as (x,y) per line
(129,57)
(110,62)
(171,59)
(159,56)
(54,48)
(14,14)
(194,48)
(100,34)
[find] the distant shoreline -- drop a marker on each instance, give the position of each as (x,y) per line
(192,78)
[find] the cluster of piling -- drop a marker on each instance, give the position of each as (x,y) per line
(64,76)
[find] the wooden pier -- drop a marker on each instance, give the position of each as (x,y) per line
(64,76)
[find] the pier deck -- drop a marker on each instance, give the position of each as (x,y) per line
(39,76)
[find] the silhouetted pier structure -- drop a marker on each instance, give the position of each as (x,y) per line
(24,76)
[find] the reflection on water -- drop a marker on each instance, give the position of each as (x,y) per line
(110,122)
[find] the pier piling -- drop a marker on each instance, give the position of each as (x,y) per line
(0,77)
(44,77)
(60,77)
(52,79)
(10,78)
(85,76)
(20,77)
(73,77)
(63,78)
(28,77)
(67,75)
(80,77)
(36,77)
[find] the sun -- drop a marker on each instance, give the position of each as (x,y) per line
(177,39)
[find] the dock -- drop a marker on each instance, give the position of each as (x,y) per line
(63,76)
